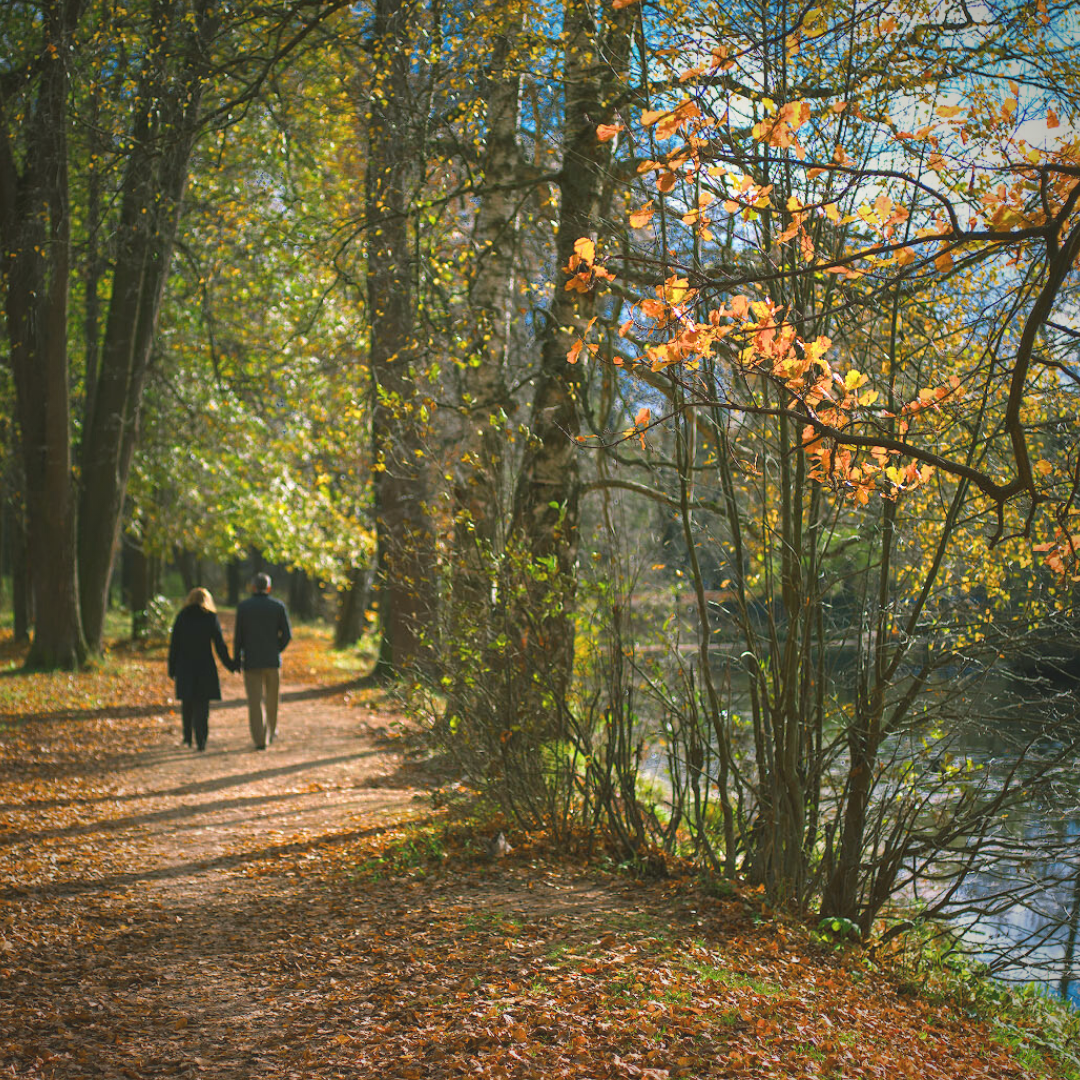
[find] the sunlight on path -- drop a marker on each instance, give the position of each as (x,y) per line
(132,936)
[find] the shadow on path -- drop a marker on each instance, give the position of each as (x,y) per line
(70,888)
(197,787)
(132,712)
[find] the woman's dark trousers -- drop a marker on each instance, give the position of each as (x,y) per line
(195,713)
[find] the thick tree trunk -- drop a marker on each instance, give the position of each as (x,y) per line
(186,563)
(352,606)
(486,405)
(153,188)
(406,562)
(36,231)
(546,505)
(479,490)
(302,595)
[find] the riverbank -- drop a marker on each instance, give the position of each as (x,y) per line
(310,911)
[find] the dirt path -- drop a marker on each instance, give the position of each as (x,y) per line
(133,935)
(165,912)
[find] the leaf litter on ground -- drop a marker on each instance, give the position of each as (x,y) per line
(311,912)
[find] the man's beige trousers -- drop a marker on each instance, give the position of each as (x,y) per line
(262,684)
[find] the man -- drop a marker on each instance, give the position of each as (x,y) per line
(262,631)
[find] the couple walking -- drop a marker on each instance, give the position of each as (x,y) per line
(262,631)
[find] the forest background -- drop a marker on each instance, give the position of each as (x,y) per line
(685,393)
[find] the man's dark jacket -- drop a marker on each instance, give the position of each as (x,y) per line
(262,631)
(191,662)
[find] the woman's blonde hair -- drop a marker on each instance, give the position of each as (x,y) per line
(200,598)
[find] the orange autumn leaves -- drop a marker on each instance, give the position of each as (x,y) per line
(759,339)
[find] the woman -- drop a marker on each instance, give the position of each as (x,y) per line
(191,663)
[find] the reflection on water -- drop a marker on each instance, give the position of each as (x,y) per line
(1031,889)
(1018,911)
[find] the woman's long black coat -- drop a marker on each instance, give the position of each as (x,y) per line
(191,663)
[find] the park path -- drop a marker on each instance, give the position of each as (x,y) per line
(134,936)
(169,913)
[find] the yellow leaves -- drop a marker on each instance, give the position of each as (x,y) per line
(575,351)
(607,132)
(944,262)
(1043,468)
(814,352)
(779,130)
(905,256)
(869,215)
(1005,218)
(740,307)
(669,121)
(674,290)
(946,112)
(666,181)
(583,269)
(640,218)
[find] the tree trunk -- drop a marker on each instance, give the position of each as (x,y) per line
(403,527)
(546,503)
(232,583)
(15,546)
(141,590)
(478,491)
(21,611)
(185,562)
(479,468)
(36,231)
(162,142)
(352,606)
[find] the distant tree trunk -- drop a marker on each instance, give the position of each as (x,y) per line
(21,599)
(22,615)
(140,591)
(546,504)
(302,593)
(35,229)
(145,585)
(186,563)
(352,606)
(403,527)
(5,535)
(232,582)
